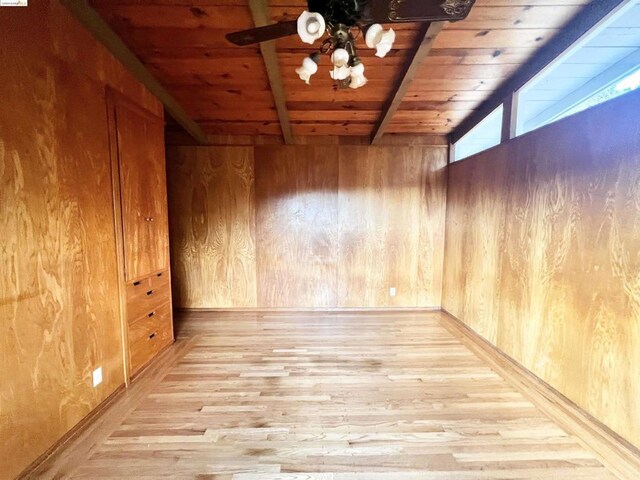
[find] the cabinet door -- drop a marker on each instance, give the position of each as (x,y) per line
(140,140)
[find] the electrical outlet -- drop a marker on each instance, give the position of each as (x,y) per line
(392,291)
(97,376)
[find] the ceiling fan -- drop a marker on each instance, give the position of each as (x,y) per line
(344,20)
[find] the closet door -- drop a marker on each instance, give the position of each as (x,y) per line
(143,190)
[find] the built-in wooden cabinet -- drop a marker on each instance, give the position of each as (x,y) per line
(143,187)
(149,323)
(140,201)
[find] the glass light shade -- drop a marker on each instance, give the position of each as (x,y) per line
(372,37)
(377,38)
(358,69)
(357,82)
(340,57)
(308,68)
(357,76)
(340,73)
(311,26)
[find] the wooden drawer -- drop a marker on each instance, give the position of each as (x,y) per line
(140,287)
(146,295)
(148,335)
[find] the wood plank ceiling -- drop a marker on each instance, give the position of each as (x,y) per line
(226,89)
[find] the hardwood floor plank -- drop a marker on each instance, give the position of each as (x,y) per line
(326,396)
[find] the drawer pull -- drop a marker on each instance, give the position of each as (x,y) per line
(135,284)
(150,292)
(160,274)
(151,314)
(148,219)
(152,335)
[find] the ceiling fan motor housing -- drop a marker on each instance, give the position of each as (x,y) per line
(346,12)
(398,11)
(341,34)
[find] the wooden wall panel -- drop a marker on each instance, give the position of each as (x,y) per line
(385,239)
(431,235)
(59,316)
(336,226)
(552,220)
(297,226)
(212,215)
(475,227)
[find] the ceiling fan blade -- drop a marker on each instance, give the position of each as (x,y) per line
(263,34)
(396,11)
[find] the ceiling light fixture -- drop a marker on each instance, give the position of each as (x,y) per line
(377,38)
(345,21)
(311,27)
(357,79)
(348,69)
(309,67)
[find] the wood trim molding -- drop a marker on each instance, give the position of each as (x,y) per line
(588,17)
(620,457)
(111,99)
(614,452)
(509,117)
(94,23)
(310,310)
(33,470)
(612,74)
(260,13)
(426,40)
(97,426)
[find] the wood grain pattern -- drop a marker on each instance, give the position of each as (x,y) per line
(336,226)
(425,40)
(618,455)
(212,215)
(496,40)
(149,335)
(392,204)
(138,173)
(101,31)
(470,284)
(195,31)
(573,30)
(143,187)
(62,461)
(297,226)
(147,295)
(563,208)
(181,139)
(266,396)
(227,89)
(260,13)
(59,315)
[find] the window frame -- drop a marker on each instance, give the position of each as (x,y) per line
(578,30)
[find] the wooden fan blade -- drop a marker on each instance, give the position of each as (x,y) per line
(263,34)
(396,11)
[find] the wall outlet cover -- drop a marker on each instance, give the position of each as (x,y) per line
(97,376)
(392,291)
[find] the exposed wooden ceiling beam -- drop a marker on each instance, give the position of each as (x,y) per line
(93,22)
(586,19)
(260,13)
(426,39)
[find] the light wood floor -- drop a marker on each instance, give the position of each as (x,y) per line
(394,396)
